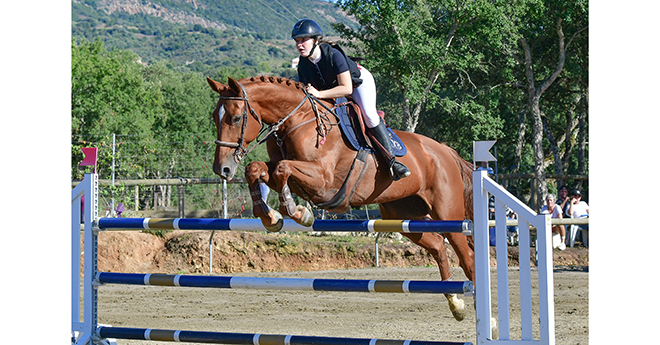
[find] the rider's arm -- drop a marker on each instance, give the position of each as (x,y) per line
(344,88)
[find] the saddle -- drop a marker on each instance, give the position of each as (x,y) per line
(354,130)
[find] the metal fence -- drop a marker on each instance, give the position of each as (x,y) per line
(130,166)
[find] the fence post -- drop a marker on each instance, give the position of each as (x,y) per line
(182,201)
(112,205)
(86,329)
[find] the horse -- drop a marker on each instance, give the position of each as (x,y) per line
(310,157)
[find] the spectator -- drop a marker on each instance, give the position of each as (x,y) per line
(491,208)
(512,230)
(119,210)
(578,208)
(555,212)
(564,201)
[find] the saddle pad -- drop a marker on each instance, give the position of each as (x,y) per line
(357,141)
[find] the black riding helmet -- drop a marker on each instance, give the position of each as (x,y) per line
(306,28)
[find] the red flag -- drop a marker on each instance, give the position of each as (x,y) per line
(90,156)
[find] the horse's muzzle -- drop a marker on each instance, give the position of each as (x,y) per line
(225,171)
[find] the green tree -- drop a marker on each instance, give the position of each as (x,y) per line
(108,92)
(540,35)
(187,101)
(425,42)
(113,93)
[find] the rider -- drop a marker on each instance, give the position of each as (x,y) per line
(328,73)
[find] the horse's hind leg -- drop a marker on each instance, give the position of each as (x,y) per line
(256,173)
(465,253)
(434,243)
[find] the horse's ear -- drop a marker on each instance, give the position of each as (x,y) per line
(217,87)
(234,86)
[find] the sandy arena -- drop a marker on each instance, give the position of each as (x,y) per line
(344,314)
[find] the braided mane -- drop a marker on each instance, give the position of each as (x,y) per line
(272,79)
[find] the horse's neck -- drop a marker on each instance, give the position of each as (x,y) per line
(279,102)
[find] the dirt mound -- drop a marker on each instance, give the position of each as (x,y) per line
(187,252)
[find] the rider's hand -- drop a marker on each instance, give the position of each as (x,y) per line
(312,90)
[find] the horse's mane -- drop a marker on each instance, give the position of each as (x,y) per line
(272,79)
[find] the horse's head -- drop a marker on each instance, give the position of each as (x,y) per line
(237,125)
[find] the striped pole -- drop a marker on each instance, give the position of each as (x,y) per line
(346,285)
(247,338)
(380,225)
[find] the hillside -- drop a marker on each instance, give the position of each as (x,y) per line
(203,35)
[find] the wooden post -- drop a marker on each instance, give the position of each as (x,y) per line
(137,198)
(155,198)
(182,198)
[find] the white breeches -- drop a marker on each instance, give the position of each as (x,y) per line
(365,97)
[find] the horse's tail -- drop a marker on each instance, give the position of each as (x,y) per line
(466,173)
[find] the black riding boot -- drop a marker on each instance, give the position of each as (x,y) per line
(397,169)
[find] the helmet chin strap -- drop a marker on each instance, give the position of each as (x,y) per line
(311,52)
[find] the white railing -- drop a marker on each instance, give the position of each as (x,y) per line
(482,186)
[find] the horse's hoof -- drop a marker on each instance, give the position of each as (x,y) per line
(457,307)
(307,219)
(277,221)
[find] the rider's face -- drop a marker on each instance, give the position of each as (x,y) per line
(304,45)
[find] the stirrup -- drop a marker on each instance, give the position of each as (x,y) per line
(398,170)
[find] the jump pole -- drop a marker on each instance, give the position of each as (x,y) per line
(374,226)
(300,284)
(248,338)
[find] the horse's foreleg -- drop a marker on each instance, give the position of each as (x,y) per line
(256,173)
(300,214)
(434,243)
(308,174)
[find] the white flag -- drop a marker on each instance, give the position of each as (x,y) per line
(481,151)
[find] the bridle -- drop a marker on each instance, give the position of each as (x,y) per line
(240,151)
(270,130)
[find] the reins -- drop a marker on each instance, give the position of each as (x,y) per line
(271,130)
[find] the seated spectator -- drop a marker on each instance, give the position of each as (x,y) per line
(555,212)
(578,208)
(563,200)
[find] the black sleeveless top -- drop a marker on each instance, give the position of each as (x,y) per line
(323,76)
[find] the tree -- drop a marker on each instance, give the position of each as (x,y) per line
(113,93)
(480,66)
(417,37)
(108,92)
(435,71)
(537,42)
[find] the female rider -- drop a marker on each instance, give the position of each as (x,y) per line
(328,73)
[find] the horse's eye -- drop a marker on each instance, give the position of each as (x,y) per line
(236,119)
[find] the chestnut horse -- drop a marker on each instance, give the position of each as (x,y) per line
(310,157)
